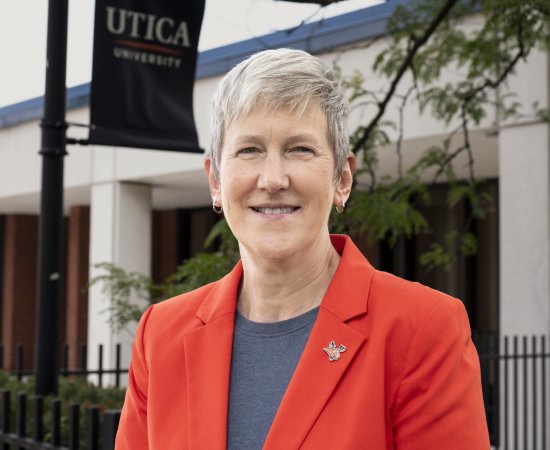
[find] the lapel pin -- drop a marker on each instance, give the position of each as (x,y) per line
(334,352)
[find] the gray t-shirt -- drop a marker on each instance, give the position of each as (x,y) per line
(263,360)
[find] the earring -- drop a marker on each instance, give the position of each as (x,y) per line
(217,209)
(340,209)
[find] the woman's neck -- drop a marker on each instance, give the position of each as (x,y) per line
(278,290)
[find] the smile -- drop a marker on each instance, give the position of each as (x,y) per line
(276,211)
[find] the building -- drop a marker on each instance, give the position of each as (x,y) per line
(147,210)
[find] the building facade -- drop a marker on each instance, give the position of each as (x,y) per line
(147,210)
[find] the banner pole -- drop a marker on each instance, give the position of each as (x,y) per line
(49,281)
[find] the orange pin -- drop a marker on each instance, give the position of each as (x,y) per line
(334,352)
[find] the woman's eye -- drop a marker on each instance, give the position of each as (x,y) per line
(302,150)
(247,151)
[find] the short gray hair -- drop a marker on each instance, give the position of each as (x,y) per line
(275,79)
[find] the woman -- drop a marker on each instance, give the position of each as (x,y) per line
(303,344)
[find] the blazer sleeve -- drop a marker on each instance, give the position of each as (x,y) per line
(439,403)
(132,429)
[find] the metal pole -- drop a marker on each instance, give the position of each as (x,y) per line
(51,202)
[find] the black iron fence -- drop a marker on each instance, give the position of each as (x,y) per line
(100,371)
(515,375)
(52,425)
(19,438)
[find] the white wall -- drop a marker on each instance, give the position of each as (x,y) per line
(170,172)
(516,152)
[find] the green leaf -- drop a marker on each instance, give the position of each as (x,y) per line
(468,245)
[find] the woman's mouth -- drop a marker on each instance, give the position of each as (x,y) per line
(275,210)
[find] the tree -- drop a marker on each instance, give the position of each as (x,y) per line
(425,41)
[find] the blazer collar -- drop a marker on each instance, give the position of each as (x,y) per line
(222,298)
(348,292)
(346,296)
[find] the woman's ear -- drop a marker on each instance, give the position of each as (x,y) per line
(213,181)
(344,183)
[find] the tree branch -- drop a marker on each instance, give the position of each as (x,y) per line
(406,63)
(468,96)
(399,142)
(467,144)
(494,84)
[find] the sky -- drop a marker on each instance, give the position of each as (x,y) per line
(23,27)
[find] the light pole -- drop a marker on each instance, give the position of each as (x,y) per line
(51,202)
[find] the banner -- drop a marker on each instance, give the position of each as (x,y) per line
(145,54)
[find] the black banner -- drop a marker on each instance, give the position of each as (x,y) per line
(145,54)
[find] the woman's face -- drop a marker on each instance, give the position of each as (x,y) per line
(276,182)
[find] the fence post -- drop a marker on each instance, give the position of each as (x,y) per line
(64,369)
(83,358)
(93,428)
(74,426)
(100,365)
(19,361)
(6,414)
(38,431)
(21,417)
(496,389)
(544,380)
(117,375)
(56,422)
(525,395)
(110,427)
(534,389)
(516,396)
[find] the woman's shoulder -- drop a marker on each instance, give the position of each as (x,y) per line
(399,288)
(412,304)
(411,320)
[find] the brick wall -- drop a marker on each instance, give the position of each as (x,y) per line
(19,287)
(76,298)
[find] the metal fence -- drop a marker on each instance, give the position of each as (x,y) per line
(515,375)
(66,430)
(21,440)
(100,372)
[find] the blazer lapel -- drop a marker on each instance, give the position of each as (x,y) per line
(208,362)
(313,381)
(316,376)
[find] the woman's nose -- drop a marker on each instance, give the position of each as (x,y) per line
(273,176)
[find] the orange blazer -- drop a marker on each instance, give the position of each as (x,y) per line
(408,379)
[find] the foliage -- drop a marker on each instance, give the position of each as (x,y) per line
(427,40)
(71,390)
(123,288)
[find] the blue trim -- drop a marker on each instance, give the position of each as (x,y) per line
(78,96)
(21,112)
(315,37)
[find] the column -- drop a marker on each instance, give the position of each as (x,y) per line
(120,233)
(524,229)
(524,194)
